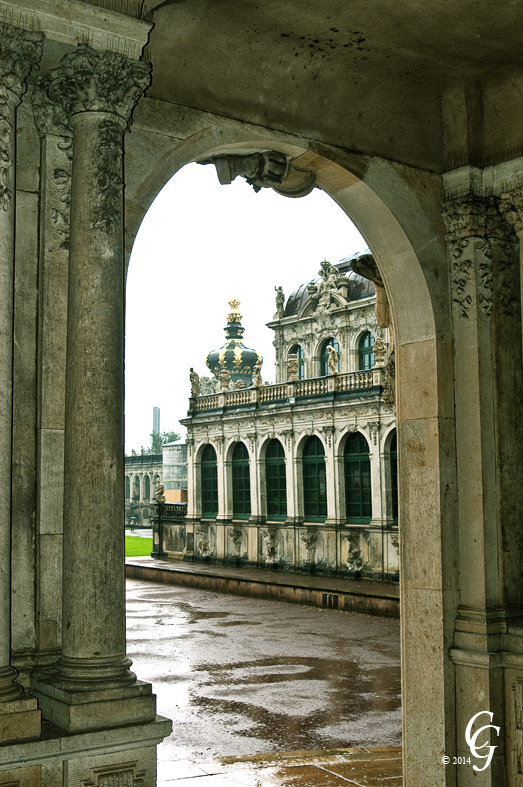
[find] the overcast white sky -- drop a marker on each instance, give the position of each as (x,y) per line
(199,245)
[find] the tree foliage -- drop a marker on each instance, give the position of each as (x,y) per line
(157,440)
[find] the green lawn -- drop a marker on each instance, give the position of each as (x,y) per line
(137,547)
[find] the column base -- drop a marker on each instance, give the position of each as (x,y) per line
(20,719)
(124,755)
(76,711)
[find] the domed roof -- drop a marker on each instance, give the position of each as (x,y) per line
(358,286)
(234,357)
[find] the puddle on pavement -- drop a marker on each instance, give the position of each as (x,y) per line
(242,676)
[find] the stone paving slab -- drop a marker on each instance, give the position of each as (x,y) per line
(364,596)
(361,767)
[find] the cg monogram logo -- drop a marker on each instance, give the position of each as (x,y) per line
(471,740)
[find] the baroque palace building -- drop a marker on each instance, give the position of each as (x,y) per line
(301,474)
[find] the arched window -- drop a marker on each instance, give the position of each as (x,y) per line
(136,488)
(209,482)
(314,480)
(275,481)
(394,476)
(146,488)
(298,350)
(241,483)
(324,357)
(366,358)
(358,494)
(127,488)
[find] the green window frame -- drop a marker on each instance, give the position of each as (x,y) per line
(298,350)
(324,355)
(241,483)
(358,491)
(314,480)
(394,477)
(275,480)
(146,488)
(209,482)
(127,488)
(366,359)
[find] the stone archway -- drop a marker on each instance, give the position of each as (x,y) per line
(410,254)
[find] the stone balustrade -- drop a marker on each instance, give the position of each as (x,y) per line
(315,386)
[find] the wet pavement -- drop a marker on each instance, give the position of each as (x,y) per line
(252,680)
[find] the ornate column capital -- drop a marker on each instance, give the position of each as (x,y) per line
(93,81)
(511,206)
(20,52)
(49,111)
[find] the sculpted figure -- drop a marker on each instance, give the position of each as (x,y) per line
(257,373)
(195,383)
(239,385)
(159,491)
(293,365)
(280,300)
(333,360)
(225,379)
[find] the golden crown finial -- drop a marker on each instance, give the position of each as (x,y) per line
(234,303)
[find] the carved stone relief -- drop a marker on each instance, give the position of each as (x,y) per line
(310,538)
(21,51)
(116,776)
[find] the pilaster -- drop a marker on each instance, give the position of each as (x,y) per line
(20,52)
(488,387)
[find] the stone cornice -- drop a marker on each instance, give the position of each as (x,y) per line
(73,22)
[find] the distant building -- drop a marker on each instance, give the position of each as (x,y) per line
(301,474)
(142,471)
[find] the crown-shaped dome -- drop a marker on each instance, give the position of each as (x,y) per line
(234,357)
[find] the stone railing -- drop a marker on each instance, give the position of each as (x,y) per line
(173,510)
(235,398)
(205,402)
(273,393)
(297,389)
(353,381)
(317,385)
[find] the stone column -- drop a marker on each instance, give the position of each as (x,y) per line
(489,444)
(20,52)
(98,91)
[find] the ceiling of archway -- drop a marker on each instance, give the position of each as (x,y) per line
(425,83)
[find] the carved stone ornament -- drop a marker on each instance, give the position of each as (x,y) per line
(236,538)
(202,539)
(93,81)
(373,428)
(379,349)
(511,206)
(309,538)
(123,775)
(293,365)
(268,169)
(476,233)
(389,389)
(269,537)
(21,50)
(354,557)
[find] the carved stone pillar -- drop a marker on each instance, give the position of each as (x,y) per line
(20,52)
(489,443)
(98,91)
(55,197)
